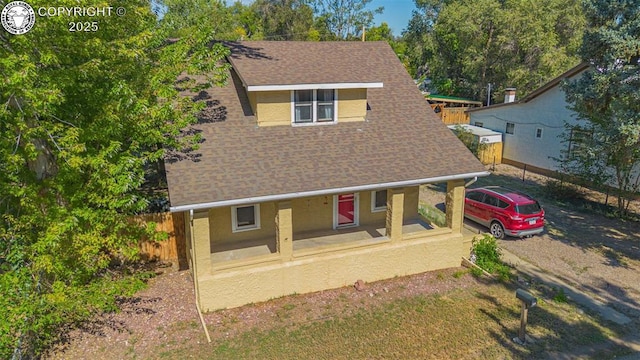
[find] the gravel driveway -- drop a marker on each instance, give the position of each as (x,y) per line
(594,253)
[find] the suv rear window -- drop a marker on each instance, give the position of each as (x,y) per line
(528,209)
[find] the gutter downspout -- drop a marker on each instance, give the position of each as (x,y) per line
(470,182)
(194,272)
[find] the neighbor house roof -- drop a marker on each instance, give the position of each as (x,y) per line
(401,142)
(541,90)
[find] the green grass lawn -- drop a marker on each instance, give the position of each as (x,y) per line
(471,323)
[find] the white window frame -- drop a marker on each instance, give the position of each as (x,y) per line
(234,219)
(314,109)
(356,211)
(541,132)
(373,202)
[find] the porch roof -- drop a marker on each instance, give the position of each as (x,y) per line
(401,142)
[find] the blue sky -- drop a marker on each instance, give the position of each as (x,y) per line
(396,13)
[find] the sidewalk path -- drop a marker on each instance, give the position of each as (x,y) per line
(572,292)
(580,297)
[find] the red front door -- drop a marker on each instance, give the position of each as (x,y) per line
(346,209)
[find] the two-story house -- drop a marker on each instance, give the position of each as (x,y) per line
(308,174)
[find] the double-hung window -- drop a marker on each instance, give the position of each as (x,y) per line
(303,101)
(314,106)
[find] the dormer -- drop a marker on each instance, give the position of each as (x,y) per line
(294,87)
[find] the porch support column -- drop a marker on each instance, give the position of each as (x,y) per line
(284,230)
(395,211)
(202,243)
(455,205)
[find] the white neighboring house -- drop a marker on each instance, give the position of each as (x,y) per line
(532,125)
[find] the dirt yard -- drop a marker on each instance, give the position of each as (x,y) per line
(596,253)
(593,252)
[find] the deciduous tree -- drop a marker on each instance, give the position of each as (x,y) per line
(464,45)
(345,18)
(83,114)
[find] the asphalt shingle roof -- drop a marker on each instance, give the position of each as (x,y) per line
(401,139)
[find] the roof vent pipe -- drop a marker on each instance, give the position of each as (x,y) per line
(509,95)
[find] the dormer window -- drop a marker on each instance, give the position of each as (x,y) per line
(314,106)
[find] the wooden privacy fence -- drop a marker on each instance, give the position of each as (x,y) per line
(455,115)
(171,249)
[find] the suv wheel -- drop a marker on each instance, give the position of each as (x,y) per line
(496,230)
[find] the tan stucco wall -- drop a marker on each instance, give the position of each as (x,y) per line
(366,216)
(411,198)
(237,287)
(202,248)
(454,203)
(252,101)
(311,214)
(273,108)
(352,105)
(221,231)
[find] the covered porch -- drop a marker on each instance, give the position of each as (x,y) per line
(316,240)
(396,242)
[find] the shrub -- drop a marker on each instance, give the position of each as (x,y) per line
(487,256)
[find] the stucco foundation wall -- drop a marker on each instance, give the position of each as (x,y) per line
(232,288)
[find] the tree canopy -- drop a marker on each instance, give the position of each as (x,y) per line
(607,99)
(84,115)
(464,45)
(344,19)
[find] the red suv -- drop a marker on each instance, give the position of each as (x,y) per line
(504,211)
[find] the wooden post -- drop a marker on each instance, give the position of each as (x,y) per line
(523,323)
